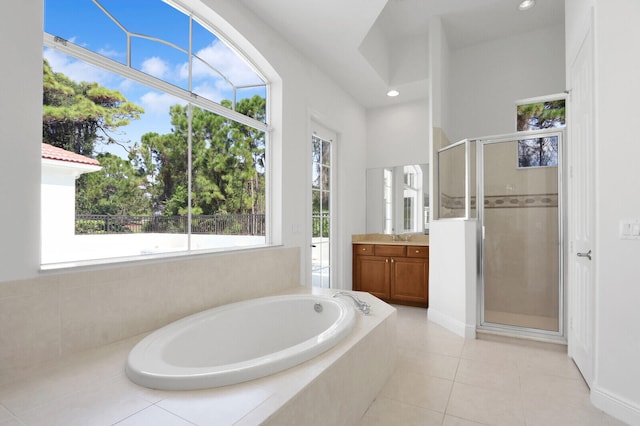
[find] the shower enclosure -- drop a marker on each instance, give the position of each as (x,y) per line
(515,193)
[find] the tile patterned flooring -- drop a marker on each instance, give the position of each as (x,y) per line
(443,379)
(440,379)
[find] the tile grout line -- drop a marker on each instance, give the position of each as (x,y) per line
(524,412)
(453,383)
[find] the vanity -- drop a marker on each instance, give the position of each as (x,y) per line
(391,269)
(391,261)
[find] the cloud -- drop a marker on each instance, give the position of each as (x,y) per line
(77,70)
(219,56)
(211,92)
(158,103)
(110,53)
(155,66)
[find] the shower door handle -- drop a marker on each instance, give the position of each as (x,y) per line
(587,254)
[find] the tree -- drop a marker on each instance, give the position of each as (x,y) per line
(227,174)
(228,164)
(77,115)
(117,189)
(541,115)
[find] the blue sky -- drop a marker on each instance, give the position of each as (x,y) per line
(83,23)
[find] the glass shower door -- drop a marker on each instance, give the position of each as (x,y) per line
(520,213)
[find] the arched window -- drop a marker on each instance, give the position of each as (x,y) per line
(176,119)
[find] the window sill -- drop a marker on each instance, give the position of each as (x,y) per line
(149,258)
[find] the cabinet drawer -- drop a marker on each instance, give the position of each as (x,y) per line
(364,249)
(417,251)
(382,250)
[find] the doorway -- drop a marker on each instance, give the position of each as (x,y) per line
(321,207)
(520,212)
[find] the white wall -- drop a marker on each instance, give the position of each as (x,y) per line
(439,74)
(452,276)
(32,302)
(616,387)
(20,137)
(58,198)
(398,135)
(486,79)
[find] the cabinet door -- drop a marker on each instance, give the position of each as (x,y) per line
(409,280)
(372,275)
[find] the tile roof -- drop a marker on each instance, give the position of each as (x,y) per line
(54,153)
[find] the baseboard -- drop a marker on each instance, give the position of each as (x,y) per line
(615,406)
(452,324)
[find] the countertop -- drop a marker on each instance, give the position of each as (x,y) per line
(392,240)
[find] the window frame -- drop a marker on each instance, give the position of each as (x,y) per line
(523,142)
(192,100)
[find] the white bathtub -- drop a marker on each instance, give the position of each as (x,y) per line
(239,342)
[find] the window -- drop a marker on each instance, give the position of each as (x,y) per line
(388,200)
(175,118)
(412,198)
(534,115)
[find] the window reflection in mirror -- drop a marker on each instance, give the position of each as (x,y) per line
(398,199)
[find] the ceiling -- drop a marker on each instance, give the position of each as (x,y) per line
(370,46)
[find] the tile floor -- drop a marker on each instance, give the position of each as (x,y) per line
(440,379)
(443,379)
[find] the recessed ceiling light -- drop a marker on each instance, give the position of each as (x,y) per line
(392,93)
(526,4)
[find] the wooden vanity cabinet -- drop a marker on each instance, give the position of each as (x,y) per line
(394,273)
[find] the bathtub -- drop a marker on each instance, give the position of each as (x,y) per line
(239,342)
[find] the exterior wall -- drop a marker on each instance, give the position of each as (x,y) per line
(58,198)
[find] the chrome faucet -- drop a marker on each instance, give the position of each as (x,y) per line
(364,307)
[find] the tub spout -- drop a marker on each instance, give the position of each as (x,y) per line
(364,307)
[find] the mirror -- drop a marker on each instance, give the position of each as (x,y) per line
(398,199)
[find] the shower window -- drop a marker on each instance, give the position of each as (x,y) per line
(535,114)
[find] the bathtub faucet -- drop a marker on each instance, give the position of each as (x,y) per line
(364,307)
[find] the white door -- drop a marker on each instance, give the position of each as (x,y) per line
(581,210)
(321,205)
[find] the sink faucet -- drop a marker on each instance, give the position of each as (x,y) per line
(364,307)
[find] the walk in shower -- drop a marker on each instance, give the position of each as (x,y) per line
(512,185)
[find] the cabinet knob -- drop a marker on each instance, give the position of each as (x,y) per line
(391,260)
(386,261)
(364,249)
(417,251)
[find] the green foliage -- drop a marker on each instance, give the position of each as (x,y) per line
(77,115)
(116,189)
(228,158)
(227,162)
(90,226)
(541,115)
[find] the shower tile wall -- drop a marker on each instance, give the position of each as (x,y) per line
(524,280)
(55,315)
